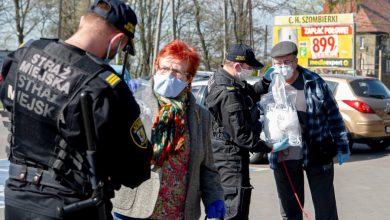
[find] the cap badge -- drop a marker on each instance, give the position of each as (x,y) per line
(129,27)
(240,58)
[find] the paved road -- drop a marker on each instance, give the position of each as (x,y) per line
(361,185)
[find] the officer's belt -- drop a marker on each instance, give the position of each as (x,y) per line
(34,175)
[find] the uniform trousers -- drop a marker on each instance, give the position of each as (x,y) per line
(233,166)
(320,179)
(25,200)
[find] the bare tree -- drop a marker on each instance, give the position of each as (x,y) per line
(173,17)
(225,28)
(71,11)
(147,11)
(216,26)
(201,37)
(157,37)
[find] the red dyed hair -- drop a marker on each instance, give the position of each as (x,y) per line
(178,49)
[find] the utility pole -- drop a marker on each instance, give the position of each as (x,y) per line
(157,37)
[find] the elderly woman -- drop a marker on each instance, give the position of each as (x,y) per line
(180,131)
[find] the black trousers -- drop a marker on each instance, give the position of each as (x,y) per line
(320,178)
(26,201)
(233,167)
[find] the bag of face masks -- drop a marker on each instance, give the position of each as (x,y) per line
(280,115)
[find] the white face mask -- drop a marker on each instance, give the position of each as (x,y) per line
(168,86)
(244,74)
(286,71)
(107,59)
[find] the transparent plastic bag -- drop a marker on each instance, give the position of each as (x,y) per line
(280,115)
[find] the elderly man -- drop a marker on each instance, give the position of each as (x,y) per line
(324,136)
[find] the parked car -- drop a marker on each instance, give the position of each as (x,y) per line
(199,89)
(202,75)
(364,104)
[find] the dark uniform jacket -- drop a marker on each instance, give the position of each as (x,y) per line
(44,83)
(233,104)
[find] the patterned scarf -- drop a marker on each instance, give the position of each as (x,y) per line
(170,138)
(170,127)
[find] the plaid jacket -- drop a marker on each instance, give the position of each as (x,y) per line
(323,117)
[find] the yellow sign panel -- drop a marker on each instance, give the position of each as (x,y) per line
(323,41)
(314,19)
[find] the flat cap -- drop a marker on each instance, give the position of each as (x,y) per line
(119,15)
(284,48)
(243,53)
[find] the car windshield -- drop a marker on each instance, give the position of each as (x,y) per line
(371,88)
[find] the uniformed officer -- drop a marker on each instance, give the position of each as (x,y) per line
(41,87)
(236,128)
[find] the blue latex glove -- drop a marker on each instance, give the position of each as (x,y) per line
(134,84)
(268,73)
(216,209)
(282,145)
(341,158)
(117,216)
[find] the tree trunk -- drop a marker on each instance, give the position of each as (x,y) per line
(201,37)
(225,29)
(173,17)
(157,37)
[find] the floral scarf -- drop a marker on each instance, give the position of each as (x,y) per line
(170,139)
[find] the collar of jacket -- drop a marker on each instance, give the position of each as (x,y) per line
(308,76)
(224,78)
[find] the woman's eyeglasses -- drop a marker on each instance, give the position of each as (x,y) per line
(175,72)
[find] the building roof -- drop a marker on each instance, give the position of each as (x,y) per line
(371,15)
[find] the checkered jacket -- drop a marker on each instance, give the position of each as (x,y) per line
(323,117)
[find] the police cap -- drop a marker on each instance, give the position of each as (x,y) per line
(119,15)
(284,48)
(243,53)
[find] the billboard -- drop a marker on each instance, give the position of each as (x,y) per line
(324,41)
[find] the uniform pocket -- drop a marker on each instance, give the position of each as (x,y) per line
(232,200)
(236,115)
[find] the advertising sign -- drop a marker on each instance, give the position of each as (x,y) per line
(324,41)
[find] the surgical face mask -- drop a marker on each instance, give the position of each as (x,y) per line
(168,86)
(286,71)
(108,58)
(244,74)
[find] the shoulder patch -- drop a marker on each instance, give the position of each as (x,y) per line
(138,134)
(26,44)
(110,77)
(230,88)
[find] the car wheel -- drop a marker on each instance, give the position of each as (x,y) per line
(256,158)
(378,145)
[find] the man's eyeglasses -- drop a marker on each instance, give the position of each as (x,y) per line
(164,70)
